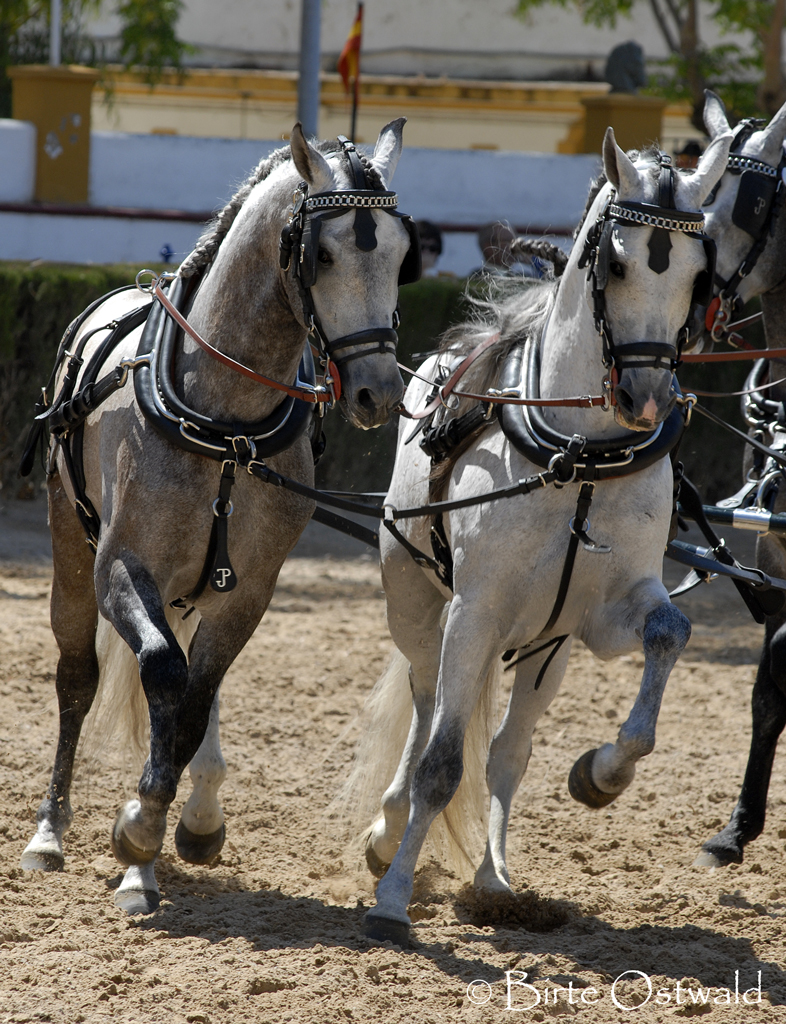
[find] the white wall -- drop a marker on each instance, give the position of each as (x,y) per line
(163,172)
(465,38)
(17,161)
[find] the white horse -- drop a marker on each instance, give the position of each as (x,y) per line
(514,588)
(310,247)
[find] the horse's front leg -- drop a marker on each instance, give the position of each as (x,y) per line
(201,832)
(510,752)
(414,607)
(131,601)
(469,647)
(599,776)
(768,707)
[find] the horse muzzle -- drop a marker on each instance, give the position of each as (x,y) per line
(643,398)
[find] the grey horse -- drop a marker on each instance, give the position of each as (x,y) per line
(119,610)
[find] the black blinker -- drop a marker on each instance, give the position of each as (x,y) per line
(309,251)
(603,259)
(411,267)
(754,198)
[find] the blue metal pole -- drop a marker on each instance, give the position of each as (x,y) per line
(308,84)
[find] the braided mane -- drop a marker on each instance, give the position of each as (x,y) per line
(209,242)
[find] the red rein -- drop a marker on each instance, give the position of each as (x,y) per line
(305,394)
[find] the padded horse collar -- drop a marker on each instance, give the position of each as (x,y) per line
(527,430)
(596,256)
(299,253)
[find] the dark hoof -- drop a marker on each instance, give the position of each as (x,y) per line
(376,866)
(126,852)
(582,788)
(137,901)
(196,849)
(385,929)
(41,860)
(719,852)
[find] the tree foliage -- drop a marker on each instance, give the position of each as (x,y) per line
(745,70)
(147,37)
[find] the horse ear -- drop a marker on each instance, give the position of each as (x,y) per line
(774,134)
(695,187)
(619,167)
(312,165)
(715,119)
(388,149)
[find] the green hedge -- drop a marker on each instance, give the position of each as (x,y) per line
(38,302)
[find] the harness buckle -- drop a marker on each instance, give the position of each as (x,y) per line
(391,513)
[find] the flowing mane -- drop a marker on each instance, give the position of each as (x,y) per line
(208,244)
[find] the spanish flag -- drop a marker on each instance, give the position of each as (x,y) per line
(349,61)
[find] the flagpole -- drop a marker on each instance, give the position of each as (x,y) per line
(353,125)
(308,80)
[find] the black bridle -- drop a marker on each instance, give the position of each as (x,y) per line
(759,200)
(663,219)
(299,254)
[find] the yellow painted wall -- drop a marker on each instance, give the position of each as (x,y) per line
(443,113)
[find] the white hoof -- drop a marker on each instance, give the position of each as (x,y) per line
(139,892)
(707,860)
(44,852)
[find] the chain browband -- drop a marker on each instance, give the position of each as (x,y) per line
(748,163)
(365,198)
(644,213)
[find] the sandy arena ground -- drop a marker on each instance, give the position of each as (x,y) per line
(272,932)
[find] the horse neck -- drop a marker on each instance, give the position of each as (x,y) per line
(243,310)
(571,353)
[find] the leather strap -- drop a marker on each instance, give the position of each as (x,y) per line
(305,394)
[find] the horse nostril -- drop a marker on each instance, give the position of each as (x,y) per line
(624,400)
(366,400)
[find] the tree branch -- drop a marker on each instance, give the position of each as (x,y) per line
(664,27)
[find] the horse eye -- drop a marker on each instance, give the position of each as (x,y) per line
(617,269)
(324,257)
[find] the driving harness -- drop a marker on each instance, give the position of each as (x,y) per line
(229,443)
(577,458)
(759,200)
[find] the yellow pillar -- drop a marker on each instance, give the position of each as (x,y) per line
(636,120)
(57,101)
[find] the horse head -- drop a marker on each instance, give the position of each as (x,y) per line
(649,269)
(740,210)
(354,251)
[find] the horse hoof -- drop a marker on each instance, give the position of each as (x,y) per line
(375,864)
(386,929)
(137,901)
(126,852)
(582,788)
(42,860)
(715,854)
(196,849)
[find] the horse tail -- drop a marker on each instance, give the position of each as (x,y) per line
(384,725)
(119,713)
(457,836)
